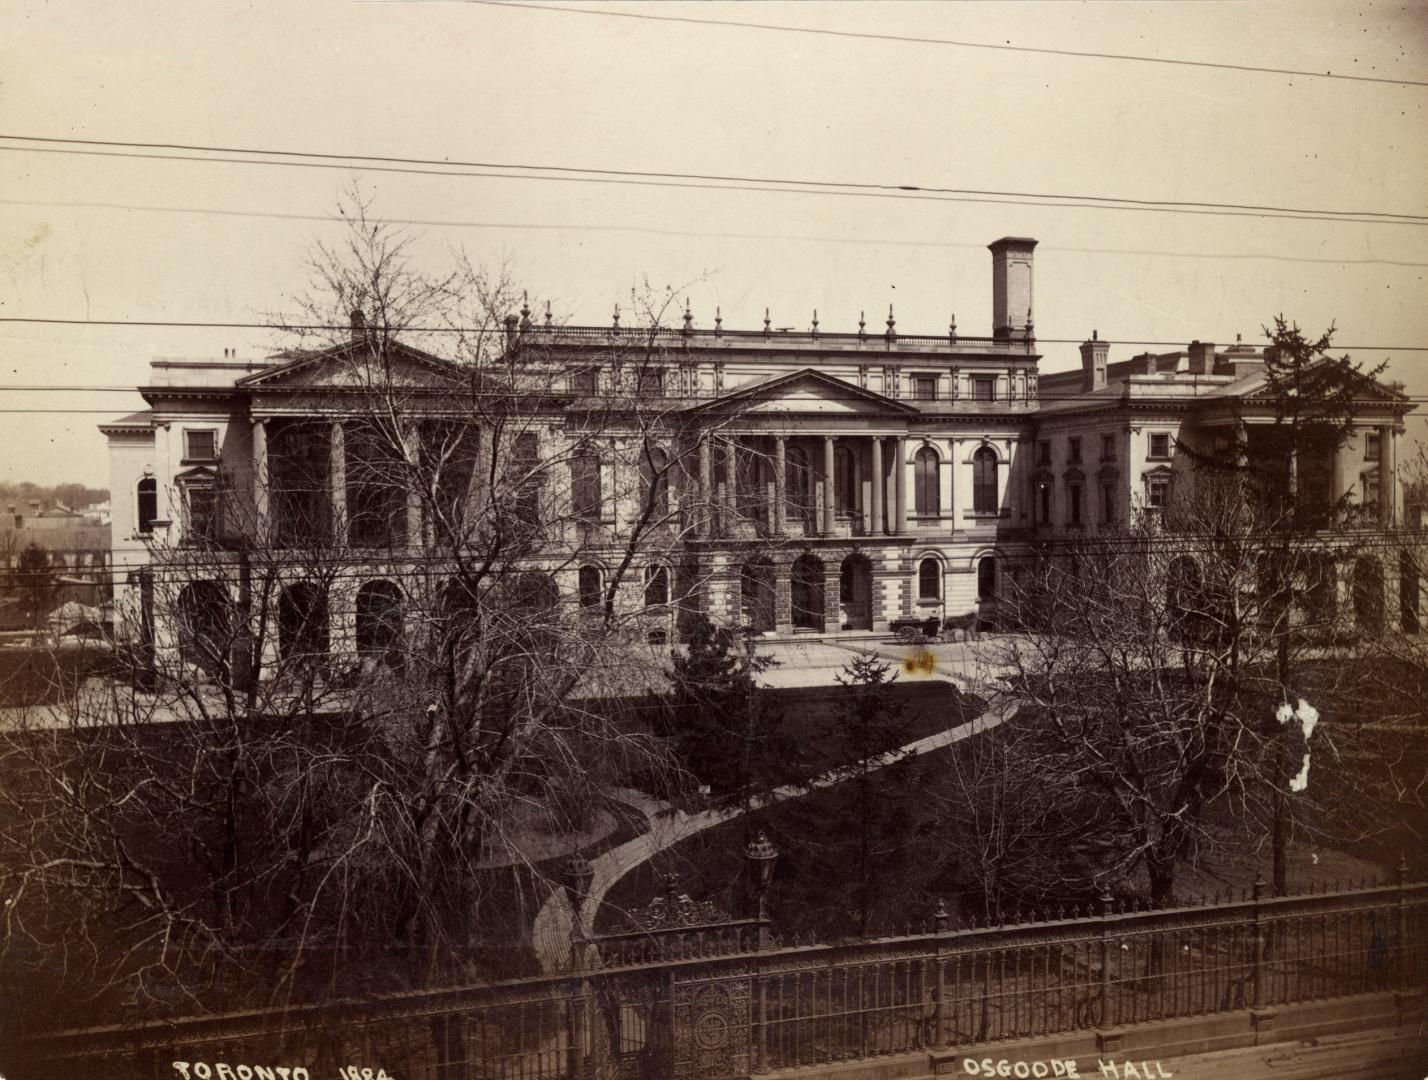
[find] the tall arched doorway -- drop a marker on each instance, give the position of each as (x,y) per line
(855,592)
(757,596)
(1368,595)
(806,593)
(302,623)
(1408,593)
(205,626)
(379,621)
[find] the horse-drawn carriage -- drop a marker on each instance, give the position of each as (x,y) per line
(934,629)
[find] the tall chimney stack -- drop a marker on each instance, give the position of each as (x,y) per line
(1202,357)
(1011,286)
(359,324)
(1093,363)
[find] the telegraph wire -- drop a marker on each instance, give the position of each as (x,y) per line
(635,333)
(1010,550)
(917,40)
(652,231)
(716,177)
(900,191)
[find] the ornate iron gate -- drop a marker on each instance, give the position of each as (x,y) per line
(712,1026)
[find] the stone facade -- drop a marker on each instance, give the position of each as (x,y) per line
(828,482)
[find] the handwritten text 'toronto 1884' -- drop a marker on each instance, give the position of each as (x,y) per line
(221,1070)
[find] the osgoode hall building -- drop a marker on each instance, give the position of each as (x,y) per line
(816,483)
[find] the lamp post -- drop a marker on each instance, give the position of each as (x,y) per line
(760,855)
(576,881)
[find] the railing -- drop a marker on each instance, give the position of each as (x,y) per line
(667,336)
(797,1005)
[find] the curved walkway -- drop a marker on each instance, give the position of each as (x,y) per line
(668,826)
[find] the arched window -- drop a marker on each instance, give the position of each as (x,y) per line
(589,587)
(379,619)
(929,580)
(927,495)
(148,492)
(845,479)
(302,622)
(656,586)
(984,481)
(654,482)
(987,578)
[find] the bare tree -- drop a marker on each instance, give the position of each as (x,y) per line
(365,700)
(1154,669)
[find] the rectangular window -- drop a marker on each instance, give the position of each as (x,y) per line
(984,388)
(1158,494)
(585,487)
(1160,444)
(1043,495)
(1108,447)
(1073,493)
(200,445)
(1073,450)
(202,512)
(1368,486)
(1043,453)
(1371,446)
(583,381)
(651,381)
(924,387)
(1108,503)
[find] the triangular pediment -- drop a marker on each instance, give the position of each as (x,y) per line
(1255,390)
(354,366)
(806,392)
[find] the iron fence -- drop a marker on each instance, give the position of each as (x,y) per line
(788,1005)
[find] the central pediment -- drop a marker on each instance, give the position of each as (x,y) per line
(806,392)
(354,366)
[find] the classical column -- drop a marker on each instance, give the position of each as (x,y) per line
(879,479)
(1385,473)
(1339,472)
(780,481)
(480,479)
(706,487)
(829,515)
(337,481)
(1397,489)
(262,516)
(164,470)
(899,473)
(411,450)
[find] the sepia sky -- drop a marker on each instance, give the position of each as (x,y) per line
(103,237)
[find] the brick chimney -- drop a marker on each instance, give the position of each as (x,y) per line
(1011,286)
(1093,363)
(1202,357)
(359,324)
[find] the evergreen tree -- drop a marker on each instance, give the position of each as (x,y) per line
(726,730)
(869,729)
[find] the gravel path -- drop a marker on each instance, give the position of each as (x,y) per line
(668,826)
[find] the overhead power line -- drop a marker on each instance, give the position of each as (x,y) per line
(634,332)
(762,237)
(689,181)
(911,39)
